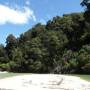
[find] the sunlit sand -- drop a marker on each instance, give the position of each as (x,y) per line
(44,82)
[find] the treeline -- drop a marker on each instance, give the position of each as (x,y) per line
(60,46)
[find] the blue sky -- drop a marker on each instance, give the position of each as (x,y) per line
(17,16)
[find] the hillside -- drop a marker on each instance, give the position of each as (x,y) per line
(60,46)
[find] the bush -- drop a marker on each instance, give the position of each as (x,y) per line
(3,67)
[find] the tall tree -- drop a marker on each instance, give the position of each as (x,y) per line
(3,55)
(11,42)
(86,4)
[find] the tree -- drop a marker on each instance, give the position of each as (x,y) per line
(3,55)
(54,42)
(3,58)
(86,36)
(11,42)
(86,3)
(16,64)
(84,59)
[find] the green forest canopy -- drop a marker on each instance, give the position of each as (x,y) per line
(60,46)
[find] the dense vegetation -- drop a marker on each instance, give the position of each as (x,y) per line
(60,46)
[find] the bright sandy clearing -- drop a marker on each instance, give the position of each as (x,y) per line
(44,82)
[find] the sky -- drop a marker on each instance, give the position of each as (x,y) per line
(17,16)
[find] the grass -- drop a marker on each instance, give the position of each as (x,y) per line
(5,75)
(82,76)
(85,77)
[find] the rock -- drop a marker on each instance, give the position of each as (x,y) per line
(44,82)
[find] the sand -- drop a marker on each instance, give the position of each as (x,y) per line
(44,82)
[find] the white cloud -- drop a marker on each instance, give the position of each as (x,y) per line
(15,16)
(27,2)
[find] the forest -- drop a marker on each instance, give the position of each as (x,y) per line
(61,46)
